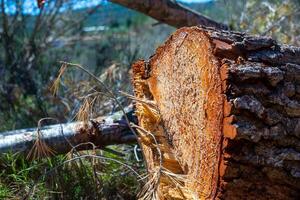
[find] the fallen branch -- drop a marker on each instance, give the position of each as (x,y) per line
(170,12)
(61,138)
(166,11)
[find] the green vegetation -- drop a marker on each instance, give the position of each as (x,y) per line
(60,178)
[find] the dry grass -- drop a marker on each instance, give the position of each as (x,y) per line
(40,149)
(85,110)
(149,190)
(55,86)
(149,108)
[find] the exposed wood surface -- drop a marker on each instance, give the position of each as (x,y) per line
(170,12)
(61,138)
(227,115)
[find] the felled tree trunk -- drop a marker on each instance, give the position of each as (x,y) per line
(224,108)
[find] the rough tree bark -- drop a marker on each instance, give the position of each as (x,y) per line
(61,138)
(170,12)
(224,108)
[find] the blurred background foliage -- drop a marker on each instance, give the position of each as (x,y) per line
(104,38)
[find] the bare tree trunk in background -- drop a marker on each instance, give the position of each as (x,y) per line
(170,12)
(225,112)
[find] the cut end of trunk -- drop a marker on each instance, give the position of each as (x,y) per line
(219,116)
(183,80)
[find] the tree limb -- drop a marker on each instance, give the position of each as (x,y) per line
(167,11)
(170,12)
(61,138)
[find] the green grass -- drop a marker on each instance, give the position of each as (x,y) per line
(5,192)
(50,178)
